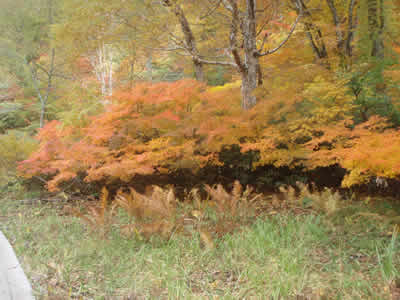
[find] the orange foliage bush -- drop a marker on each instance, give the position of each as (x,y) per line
(140,133)
(168,126)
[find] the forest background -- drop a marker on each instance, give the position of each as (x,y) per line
(118,93)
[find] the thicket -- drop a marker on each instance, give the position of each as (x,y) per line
(158,129)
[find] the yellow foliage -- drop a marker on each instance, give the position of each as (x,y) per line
(225,87)
(356,176)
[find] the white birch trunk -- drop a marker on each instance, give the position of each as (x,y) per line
(102,63)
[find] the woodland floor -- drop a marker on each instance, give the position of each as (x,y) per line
(284,254)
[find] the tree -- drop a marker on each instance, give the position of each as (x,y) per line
(331,47)
(246,28)
(28,44)
(102,63)
(238,44)
(245,25)
(189,40)
(376,25)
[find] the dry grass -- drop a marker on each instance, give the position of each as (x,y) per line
(98,217)
(153,214)
(280,256)
(156,212)
(327,201)
(237,203)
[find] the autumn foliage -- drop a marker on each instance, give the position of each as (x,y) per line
(163,127)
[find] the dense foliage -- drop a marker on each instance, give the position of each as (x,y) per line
(159,128)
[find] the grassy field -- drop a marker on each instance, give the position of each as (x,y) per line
(353,253)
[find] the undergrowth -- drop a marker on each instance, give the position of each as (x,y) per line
(232,244)
(159,212)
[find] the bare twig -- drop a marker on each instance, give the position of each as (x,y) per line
(259,53)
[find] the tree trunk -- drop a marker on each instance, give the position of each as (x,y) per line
(313,32)
(42,114)
(190,41)
(248,65)
(344,32)
(251,70)
(149,67)
(375,27)
(351,27)
(102,62)
(198,70)
(249,84)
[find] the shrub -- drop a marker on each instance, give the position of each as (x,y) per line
(14,147)
(165,127)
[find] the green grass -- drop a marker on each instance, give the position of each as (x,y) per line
(284,256)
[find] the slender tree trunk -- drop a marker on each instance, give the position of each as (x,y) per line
(190,41)
(149,67)
(352,23)
(44,99)
(198,70)
(42,114)
(338,24)
(375,27)
(102,62)
(313,32)
(49,88)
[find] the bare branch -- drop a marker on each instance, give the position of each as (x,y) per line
(211,10)
(264,40)
(40,67)
(221,63)
(262,27)
(259,54)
